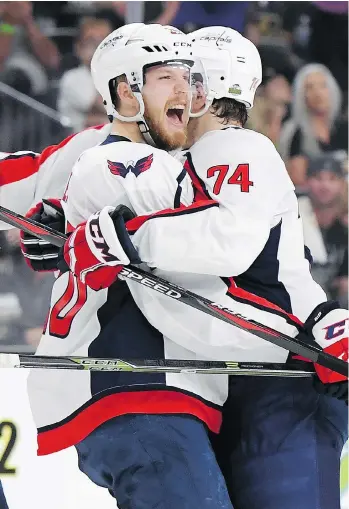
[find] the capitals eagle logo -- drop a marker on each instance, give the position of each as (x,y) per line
(137,168)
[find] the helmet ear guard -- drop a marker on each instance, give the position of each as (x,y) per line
(139,117)
(136,92)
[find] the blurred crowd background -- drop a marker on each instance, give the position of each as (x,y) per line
(46,93)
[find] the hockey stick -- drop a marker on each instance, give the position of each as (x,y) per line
(293,369)
(297,346)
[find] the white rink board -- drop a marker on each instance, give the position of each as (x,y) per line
(53,481)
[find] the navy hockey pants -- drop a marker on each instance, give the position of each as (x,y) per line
(3,504)
(154,461)
(280,444)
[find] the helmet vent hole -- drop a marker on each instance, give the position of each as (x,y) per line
(148,48)
(157,48)
(222,78)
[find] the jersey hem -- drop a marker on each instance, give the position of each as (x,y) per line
(72,430)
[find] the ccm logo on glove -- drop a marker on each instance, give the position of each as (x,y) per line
(336,329)
(98,240)
(98,249)
(328,326)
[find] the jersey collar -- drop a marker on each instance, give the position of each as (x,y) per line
(113,138)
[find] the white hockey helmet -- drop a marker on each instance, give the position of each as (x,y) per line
(232,64)
(128,51)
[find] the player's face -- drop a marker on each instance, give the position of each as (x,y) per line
(167,94)
(199,96)
(325,188)
(317,94)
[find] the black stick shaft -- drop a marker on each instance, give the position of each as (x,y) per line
(294,345)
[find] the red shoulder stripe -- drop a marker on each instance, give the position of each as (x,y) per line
(16,167)
(134,224)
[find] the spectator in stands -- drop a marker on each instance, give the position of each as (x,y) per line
(189,16)
(27,57)
(315,126)
(328,43)
(296,24)
(325,231)
(24,296)
(271,108)
(277,42)
(77,94)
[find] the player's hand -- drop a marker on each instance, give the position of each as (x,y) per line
(98,249)
(39,254)
(328,324)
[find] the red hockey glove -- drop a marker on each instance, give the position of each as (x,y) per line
(39,254)
(328,325)
(98,249)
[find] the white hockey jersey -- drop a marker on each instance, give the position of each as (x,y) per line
(69,405)
(247,253)
(27,177)
(209,234)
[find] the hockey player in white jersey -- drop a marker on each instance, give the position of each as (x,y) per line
(285,439)
(288,455)
(26,177)
(247,246)
(160,456)
(237,178)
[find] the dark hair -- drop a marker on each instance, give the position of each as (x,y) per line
(229,109)
(113,85)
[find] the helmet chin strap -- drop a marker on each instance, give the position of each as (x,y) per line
(139,118)
(201,112)
(144,129)
(208,102)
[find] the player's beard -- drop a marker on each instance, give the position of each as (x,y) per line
(163,139)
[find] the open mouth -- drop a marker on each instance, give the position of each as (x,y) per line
(175,114)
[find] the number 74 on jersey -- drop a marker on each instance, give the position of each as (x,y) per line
(240,176)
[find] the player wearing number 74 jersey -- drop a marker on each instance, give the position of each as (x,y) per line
(282,438)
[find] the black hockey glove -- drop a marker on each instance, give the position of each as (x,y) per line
(39,254)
